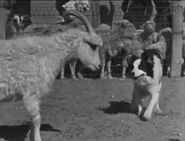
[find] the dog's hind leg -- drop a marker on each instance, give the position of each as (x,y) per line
(154,101)
(136,103)
(32,105)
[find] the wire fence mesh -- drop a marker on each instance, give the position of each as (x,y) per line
(45,12)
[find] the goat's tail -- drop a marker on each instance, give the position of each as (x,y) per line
(79,15)
(165,30)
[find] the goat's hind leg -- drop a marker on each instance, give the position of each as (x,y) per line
(31,103)
(124,65)
(109,75)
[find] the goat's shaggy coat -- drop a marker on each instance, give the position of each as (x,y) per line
(29,65)
(120,39)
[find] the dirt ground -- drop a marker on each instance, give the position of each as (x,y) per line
(98,110)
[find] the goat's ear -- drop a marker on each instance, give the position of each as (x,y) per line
(93,39)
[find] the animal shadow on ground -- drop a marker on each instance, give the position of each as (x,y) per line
(117,107)
(174,140)
(19,132)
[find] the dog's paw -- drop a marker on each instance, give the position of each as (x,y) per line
(147,116)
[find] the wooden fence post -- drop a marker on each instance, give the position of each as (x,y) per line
(3,20)
(95,14)
(177,19)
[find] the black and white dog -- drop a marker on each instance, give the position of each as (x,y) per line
(147,72)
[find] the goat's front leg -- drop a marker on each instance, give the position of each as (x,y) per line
(109,69)
(124,65)
(62,73)
(102,71)
(102,57)
(183,69)
(72,66)
(154,101)
(32,105)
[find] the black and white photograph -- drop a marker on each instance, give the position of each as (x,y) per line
(92,70)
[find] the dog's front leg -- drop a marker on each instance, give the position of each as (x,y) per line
(136,103)
(154,101)
(157,109)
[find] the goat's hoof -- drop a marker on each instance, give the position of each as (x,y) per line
(74,77)
(80,75)
(110,77)
(123,77)
(102,76)
(62,77)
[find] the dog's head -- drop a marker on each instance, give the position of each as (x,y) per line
(145,64)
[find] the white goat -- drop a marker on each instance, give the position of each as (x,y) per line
(29,65)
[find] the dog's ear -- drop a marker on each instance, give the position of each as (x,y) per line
(158,54)
(150,60)
(148,55)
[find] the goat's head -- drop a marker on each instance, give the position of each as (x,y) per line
(149,27)
(125,29)
(88,50)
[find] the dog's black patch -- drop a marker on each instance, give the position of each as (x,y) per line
(147,61)
(130,61)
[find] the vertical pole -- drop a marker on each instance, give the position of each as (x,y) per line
(95,14)
(3,20)
(177,19)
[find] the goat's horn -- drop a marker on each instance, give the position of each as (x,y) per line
(154,11)
(77,14)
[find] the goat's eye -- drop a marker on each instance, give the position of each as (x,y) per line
(93,47)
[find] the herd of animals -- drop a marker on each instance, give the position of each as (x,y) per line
(29,64)
(124,41)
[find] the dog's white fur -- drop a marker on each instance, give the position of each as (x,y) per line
(147,86)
